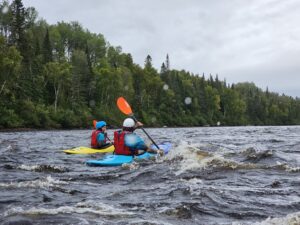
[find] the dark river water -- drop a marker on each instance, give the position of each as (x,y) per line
(212,175)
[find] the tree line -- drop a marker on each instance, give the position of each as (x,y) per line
(64,76)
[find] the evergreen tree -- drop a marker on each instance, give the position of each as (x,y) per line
(167,62)
(18,26)
(148,62)
(163,68)
(47,49)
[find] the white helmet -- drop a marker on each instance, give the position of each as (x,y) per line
(128,123)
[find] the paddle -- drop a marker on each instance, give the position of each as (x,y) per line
(126,109)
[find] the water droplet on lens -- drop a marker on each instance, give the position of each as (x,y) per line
(187,100)
(166,87)
(92,103)
(5,9)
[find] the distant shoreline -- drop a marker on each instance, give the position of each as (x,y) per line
(114,128)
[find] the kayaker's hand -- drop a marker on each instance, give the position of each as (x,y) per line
(138,124)
(141,152)
(160,152)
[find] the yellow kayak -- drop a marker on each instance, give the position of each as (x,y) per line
(87,150)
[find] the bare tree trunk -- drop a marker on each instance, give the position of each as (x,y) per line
(3,85)
(56,92)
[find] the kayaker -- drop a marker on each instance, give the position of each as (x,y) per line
(99,138)
(129,143)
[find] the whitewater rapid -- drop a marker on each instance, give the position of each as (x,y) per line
(212,175)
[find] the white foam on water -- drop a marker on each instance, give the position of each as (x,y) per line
(46,182)
(152,222)
(9,148)
(28,167)
(287,167)
(92,207)
(194,185)
(131,166)
(194,181)
(192,158)
(290,219)
(39,167)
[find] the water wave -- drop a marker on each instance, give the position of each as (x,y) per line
(286,167)
(256,155)
(43,183)
(12,147)
(148,222)
(44,168)
(290,219)
(79,208)
(242,174)
(189,157)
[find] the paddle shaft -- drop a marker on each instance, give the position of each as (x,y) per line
(133,117)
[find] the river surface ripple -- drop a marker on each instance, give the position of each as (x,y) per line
(212,175)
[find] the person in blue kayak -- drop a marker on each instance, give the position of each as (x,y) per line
(99,138)
(127,142)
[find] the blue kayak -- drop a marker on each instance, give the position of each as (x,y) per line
(118,160)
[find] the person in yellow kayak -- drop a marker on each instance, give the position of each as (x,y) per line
(99,138)
(127,142)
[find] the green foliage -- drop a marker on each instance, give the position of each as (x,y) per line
(9,118)
(63,76)
(233,108)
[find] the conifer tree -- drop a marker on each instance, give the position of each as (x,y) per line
(148,62)
(167,63)
(47,49)
(163,68)
(18,25)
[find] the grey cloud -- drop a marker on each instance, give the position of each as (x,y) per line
(240,40)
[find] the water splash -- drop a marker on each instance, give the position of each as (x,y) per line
(188,157)
(131,166)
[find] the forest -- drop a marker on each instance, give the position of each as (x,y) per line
(62,76)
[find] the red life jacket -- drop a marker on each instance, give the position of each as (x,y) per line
(119,143)
(94,142)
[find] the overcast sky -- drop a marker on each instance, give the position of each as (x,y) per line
(252,40)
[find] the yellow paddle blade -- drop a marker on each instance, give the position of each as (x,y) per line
(124,106)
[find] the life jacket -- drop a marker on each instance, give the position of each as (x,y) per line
(94,142)
(119,143)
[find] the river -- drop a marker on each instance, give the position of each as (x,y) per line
(212,175)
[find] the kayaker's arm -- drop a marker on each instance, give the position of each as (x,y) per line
(155,151)
(138,124)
